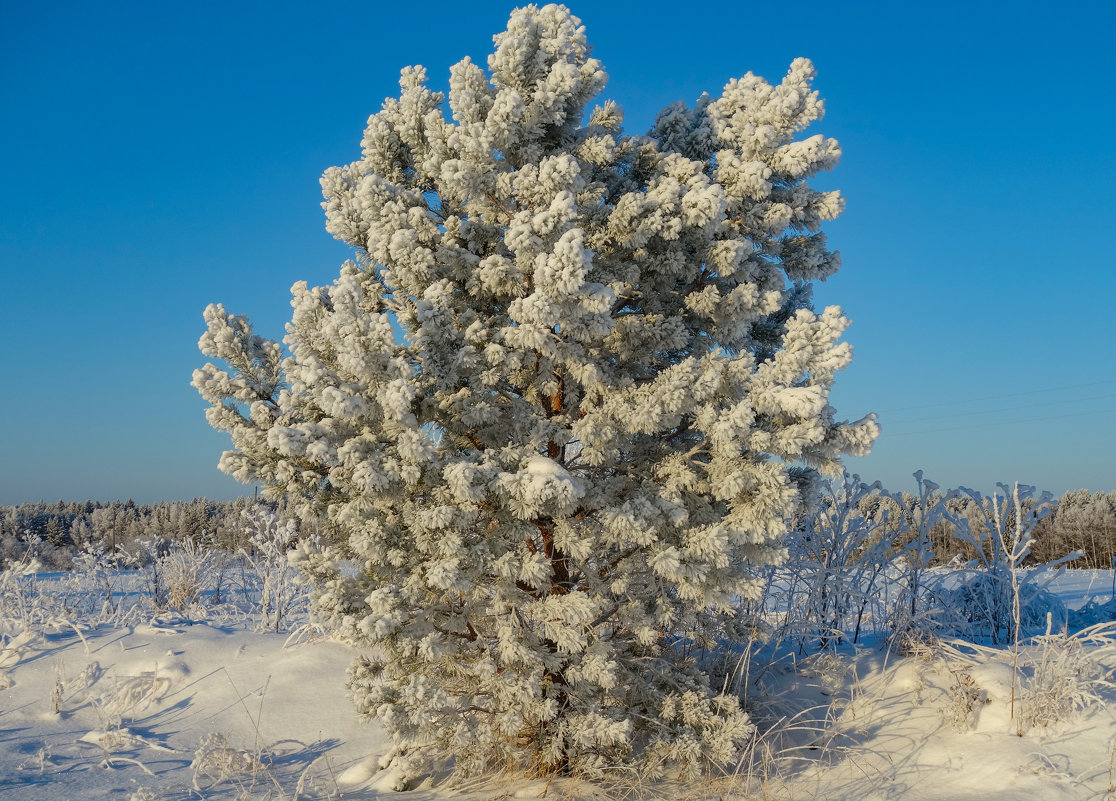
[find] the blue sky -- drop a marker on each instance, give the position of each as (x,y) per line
(157,157)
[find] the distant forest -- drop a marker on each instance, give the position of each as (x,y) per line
(1082,521)
(55,532)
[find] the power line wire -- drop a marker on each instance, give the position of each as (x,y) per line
(1005,395)
(1002,423)
(1006,409)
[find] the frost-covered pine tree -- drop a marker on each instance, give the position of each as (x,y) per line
(608,396)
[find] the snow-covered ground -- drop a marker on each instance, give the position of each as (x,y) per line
(188,706)
(937,725)
(1078,587)
(112,711)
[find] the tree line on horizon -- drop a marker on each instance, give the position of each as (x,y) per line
(1081,521)
(57,531)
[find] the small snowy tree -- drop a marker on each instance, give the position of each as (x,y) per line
(608,396)
(1000,599)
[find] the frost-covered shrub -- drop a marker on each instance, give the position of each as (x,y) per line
(188,571)
(149,555)
(838,558)
(966,699)
(98,573)
(981,605)
(217,761)
(276,582)
(563,479)
(999,597)
(1064,675)
(22,604)
(922,512)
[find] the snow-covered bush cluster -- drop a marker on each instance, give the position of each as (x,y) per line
(1065,674)
(609,392)
(161,578)
(271,559)
(866,559)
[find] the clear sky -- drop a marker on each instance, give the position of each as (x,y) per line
(155,157)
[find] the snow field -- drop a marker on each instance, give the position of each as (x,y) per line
(201,703)
(177,708)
